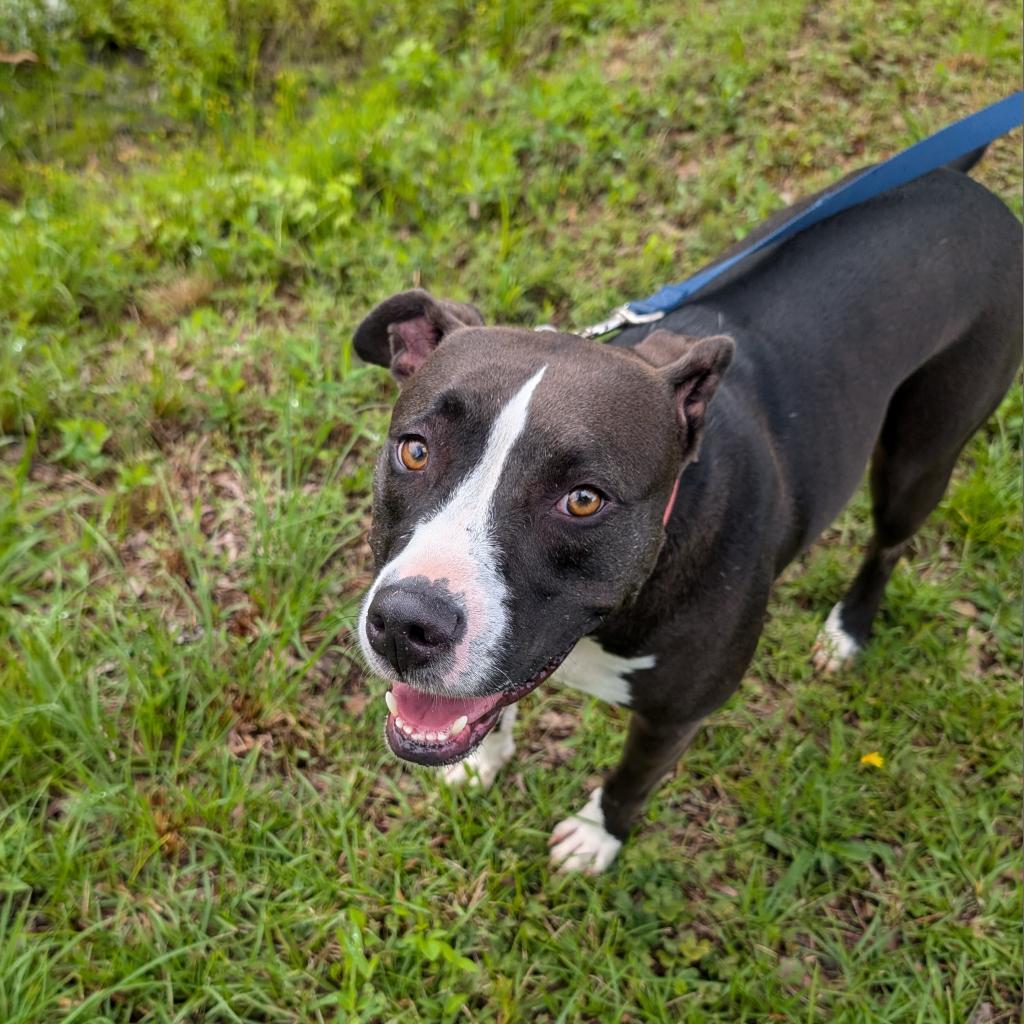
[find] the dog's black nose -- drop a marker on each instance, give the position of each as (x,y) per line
(411,624)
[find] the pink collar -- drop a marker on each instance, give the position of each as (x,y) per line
(671,502)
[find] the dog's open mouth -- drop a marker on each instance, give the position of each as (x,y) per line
(432,729)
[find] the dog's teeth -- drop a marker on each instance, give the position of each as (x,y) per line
(458,725)
(406,728)
(389,699)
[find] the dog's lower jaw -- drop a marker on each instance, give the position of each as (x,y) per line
(481,767)
(582,843)
(429,748)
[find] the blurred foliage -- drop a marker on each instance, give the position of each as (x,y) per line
(199,52)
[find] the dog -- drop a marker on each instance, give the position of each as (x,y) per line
(617,514)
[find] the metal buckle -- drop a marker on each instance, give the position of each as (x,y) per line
(621,317)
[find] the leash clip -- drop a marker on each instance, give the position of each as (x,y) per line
(621,317)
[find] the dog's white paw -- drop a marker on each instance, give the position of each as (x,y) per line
(834,649)
(580,843)
(482,766)
(477,770)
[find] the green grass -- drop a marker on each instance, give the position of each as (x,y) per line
(198,818)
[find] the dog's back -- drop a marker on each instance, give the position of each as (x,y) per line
(918,293)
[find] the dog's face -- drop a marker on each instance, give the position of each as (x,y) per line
(518,501)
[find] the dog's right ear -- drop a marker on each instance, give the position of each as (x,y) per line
(404,330)
(693,368)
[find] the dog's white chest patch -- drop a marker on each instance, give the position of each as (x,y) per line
(591,669)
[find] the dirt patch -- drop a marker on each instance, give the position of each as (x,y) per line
(164,304)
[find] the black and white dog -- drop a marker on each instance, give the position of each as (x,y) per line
(529,513)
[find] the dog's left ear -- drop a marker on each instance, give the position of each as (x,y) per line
(402,332)
(692,367)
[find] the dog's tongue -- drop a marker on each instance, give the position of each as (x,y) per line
(429,711)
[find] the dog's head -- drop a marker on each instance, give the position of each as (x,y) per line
(518,501)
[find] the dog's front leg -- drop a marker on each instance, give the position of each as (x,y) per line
(589,840)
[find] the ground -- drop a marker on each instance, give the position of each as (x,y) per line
(199,820)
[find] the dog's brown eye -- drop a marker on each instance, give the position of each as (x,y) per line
(413,452)
(584,501)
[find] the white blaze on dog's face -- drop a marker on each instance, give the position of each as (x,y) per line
(518,502)
(453,548)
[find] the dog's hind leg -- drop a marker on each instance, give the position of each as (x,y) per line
(929,420)
(848,626)
(495,751)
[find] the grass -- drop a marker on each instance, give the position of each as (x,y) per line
(198,819)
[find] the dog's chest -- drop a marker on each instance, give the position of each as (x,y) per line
(591,669)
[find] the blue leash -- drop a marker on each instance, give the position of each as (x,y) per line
(946,145)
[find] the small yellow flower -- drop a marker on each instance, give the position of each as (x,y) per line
(874,758)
